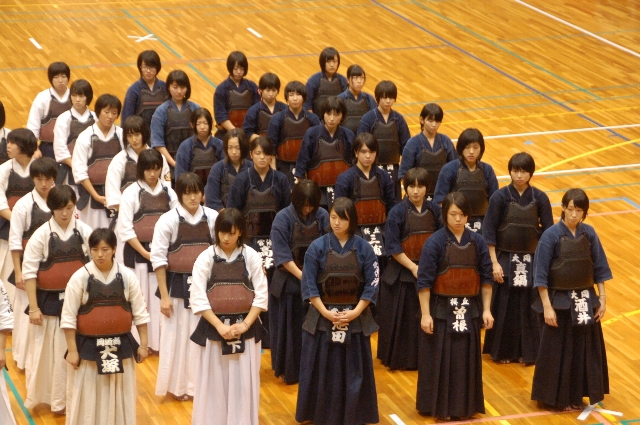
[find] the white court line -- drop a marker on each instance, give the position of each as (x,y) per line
(254,32)
(579,170)
(141,38)
(611,43)
(35,43)
(396,419)
(593,407)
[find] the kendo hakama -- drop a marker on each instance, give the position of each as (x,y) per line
(6,325)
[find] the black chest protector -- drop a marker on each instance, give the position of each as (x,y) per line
(225,185)
(149,102)
(17,187)
(177,129)
(107,311)
(457,275)
(192,240)
(260,211)
(301,238)
(130,175)
(326,88)
(341,281)
(229,288)
(3,146)
(264,118)
(48,123)
(293,131)
(520,229)
(238,105)
(202,160)
(367,197)
(75,128)
(151,208)
(328,163)
(101,155)
(474,187)
(417,229)
(433,163)
(355,111)
(65,258)
(389,144)
(38,218)
(573,269)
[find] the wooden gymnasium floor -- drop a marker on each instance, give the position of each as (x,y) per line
(555,78)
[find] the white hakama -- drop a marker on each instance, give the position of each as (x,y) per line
(6,415)
(20,335)
(149,286)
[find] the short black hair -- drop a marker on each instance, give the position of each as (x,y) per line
(580,200)
(108,101)
(522,161)
(385,88)
(188,183)
(201,113)
(326,54)
(264,143)
(150,59)
(346,210)
(305,192)
(431,111)
(3,116)
(181,79)
(60,196)
(468,136)
(56,68)
(295,87)
(269,80)
(368,140)
(239,58)
(242,140)
(355,71)
(227,219)
(82,87)
(459,200)
(103,235)
(135,124)
(416,174)
(149,159)
(335,104)
(24,139)
(44,167)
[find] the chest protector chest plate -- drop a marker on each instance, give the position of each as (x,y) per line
(75,128)
(367,197)
(417,229)
(192,240)
(202,161)
(573,269)
(520,230)
(149,102)
(101,155)
(65,258)
(260,211)
(48,123)
(355,110)
(433,163)
(151,208)
(328,163)
(474,187)
(229,289)
(457,274)
(107,311)
(389,145)
(302,237)
(17,187)
(326,88)
(341,281)
(38,218)
(294,132)
(264,118)
(239,103)
(130,174)
(177,129)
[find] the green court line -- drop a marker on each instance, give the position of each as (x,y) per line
(14,390)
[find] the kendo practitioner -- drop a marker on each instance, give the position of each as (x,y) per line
(469,175)
(325,83)
(55,251)
(428,149)
(235,95)
(454,287)
(102,300)
(48,105)
(409,225)
(572,359)
(340,279)
(95,149)
(201,151)
(145,95)
(229,292)
(142,205)
(222,174)
(293,230)
(256,121)
(358,102)
(68,127)
(327,149)
(287,128)
(516,217)
(389,128)
(6,327)
(179,236)
(260,192)
(29,213)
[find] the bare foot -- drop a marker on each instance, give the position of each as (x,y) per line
(59,412)
(183,397)
(504,361)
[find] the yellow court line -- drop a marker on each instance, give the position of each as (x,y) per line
(494,412)
(615,319)
(582,155)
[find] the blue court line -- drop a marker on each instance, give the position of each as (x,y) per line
(631,202)
(495,68)
(606,186)
(14,390)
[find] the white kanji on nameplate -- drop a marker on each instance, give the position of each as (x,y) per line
(460,325)
(235,345)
